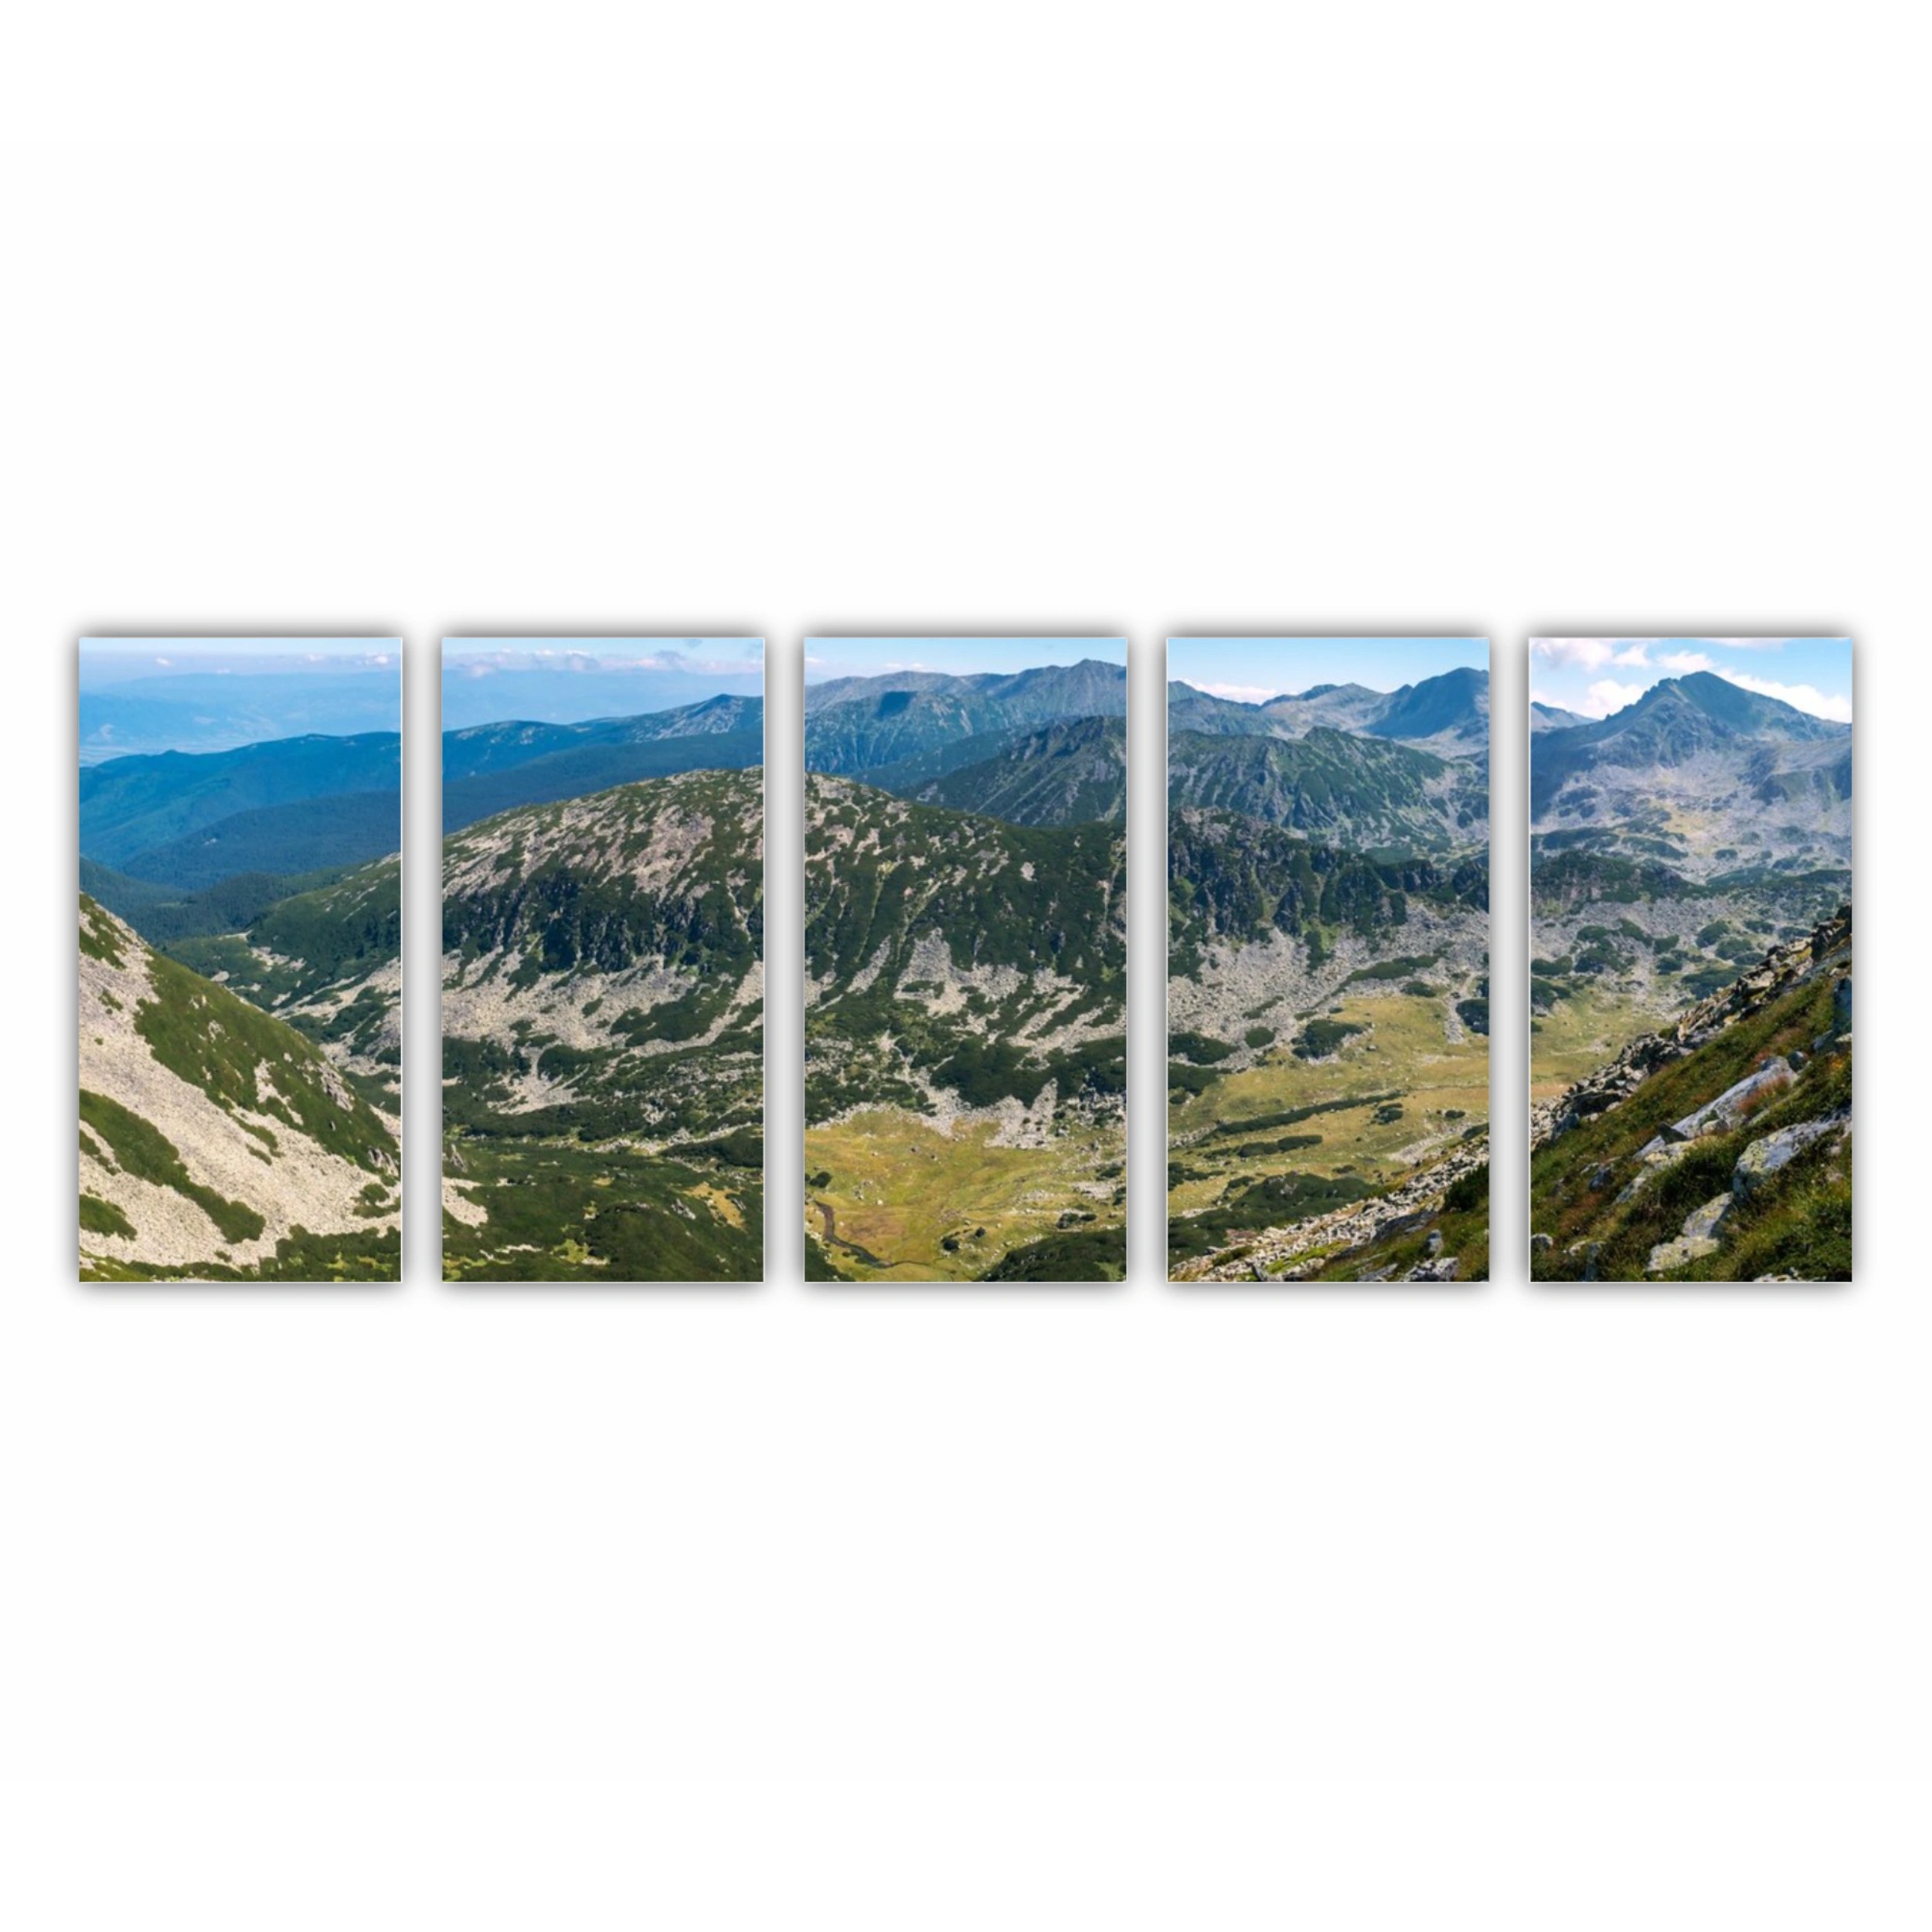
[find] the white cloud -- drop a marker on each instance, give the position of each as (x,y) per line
(1804,697)
(166,664)
(1592,654)
(1683,663)
(1606,696)
(1747,644)
(1238,693)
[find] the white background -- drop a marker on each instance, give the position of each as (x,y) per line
(786,1606)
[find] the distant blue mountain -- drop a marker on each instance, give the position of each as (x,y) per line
(305,835)
(475,694)
(132,806)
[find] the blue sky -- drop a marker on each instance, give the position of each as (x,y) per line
(123,660)
(1251,670)
(962,657)
(1597,676)
(140,695)
(566,680)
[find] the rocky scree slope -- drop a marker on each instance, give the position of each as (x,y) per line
(957,962)
(603,969)
(216,1141)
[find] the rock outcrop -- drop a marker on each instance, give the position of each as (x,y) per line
(1782,968)
(1295,1253)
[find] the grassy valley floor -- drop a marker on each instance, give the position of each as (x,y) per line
(1287,1138)
(893,1195)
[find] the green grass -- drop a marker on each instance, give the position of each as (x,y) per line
(1079,1255)
(142,1151)
(299,1256)
(102,1217)
(560,1210)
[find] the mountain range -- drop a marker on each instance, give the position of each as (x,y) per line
(921,725)
(499,768)
(1671,843)
(1447,714)
(1700,773)
(187,819)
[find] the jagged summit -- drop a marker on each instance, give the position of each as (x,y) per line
(1448,713)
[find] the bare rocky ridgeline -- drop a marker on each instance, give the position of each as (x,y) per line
(277,1171)
(1709,813)
(1782,968)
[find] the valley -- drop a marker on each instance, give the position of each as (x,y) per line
(965,959)
(1688,851)
(1328,971)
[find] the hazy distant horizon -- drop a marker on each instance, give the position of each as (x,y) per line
(573,680)
(140,696)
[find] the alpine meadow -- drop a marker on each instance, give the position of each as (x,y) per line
(965,959)
(1328,986)
(241,959)
(1690,883)
(602,980)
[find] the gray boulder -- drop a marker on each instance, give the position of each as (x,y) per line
(1687,1248)
(1707,1223)
(1585,1251)
(1542,1243)
(1769,1156)
(1719,1116)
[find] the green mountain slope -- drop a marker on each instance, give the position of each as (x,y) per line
(1232,877)
(135,805)
(477,749)
(1064,775)
(217,1142)
(577,771)
(1718,1148)
(603,1035)
(304,835)
(857,725)
(1362,792)
(328,960)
